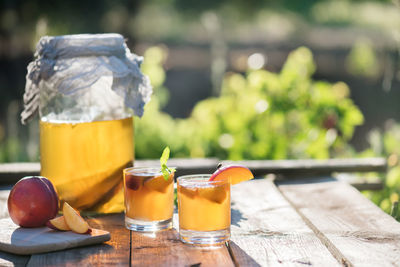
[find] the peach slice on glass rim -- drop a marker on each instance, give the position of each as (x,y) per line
(235,173)
(58,224)
(74,220)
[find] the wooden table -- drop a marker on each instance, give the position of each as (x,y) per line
(303,222)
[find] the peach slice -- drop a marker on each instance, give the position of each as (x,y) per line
(159,183)
(188,191)
(58,224)
(235,173)
(74,220)
(214,194)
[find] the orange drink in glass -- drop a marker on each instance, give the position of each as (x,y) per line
(204,210)
(149,199)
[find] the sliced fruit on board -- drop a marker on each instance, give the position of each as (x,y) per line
(74,220)
(159,183)
(235,173)
(214,194)
(58,224)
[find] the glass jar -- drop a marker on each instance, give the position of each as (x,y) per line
(85,88)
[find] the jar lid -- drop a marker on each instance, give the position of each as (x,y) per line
(70,65)
(81,45)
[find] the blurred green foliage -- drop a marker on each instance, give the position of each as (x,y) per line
(177,20)
(386,144)
(259,115)
(265,115)
(363,60)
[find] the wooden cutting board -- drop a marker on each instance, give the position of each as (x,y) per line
(26,241)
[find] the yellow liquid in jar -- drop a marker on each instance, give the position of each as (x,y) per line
(85,161)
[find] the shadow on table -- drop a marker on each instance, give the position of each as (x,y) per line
(74,255)
(8,259)
(86,255)
(240,257)
(236,217)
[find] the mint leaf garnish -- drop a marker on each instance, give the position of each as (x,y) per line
(164,157)
(163,161)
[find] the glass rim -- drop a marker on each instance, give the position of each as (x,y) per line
(151,170)
(199,179)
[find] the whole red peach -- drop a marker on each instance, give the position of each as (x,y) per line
(33,201)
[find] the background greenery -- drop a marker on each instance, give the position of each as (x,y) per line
(265,115)
(259,115)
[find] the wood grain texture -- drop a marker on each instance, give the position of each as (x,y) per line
(347,222)
(165,249)
(306,167)
(267,231)
(308,223)
(12,172)
(361,183)
(112,253)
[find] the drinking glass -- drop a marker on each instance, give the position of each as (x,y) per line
(149,199)
(204,210)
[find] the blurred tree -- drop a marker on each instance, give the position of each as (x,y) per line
(261,115)
(362,60)
(66,17)
(386,144)
(247,8)
(23,22)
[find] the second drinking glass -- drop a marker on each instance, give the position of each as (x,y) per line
(149,199)
(204,210)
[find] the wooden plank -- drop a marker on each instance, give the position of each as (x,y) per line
(347,223)
(165,249)
(307,167)
(112,253)
(267,231)
(361,183)
(12,172)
